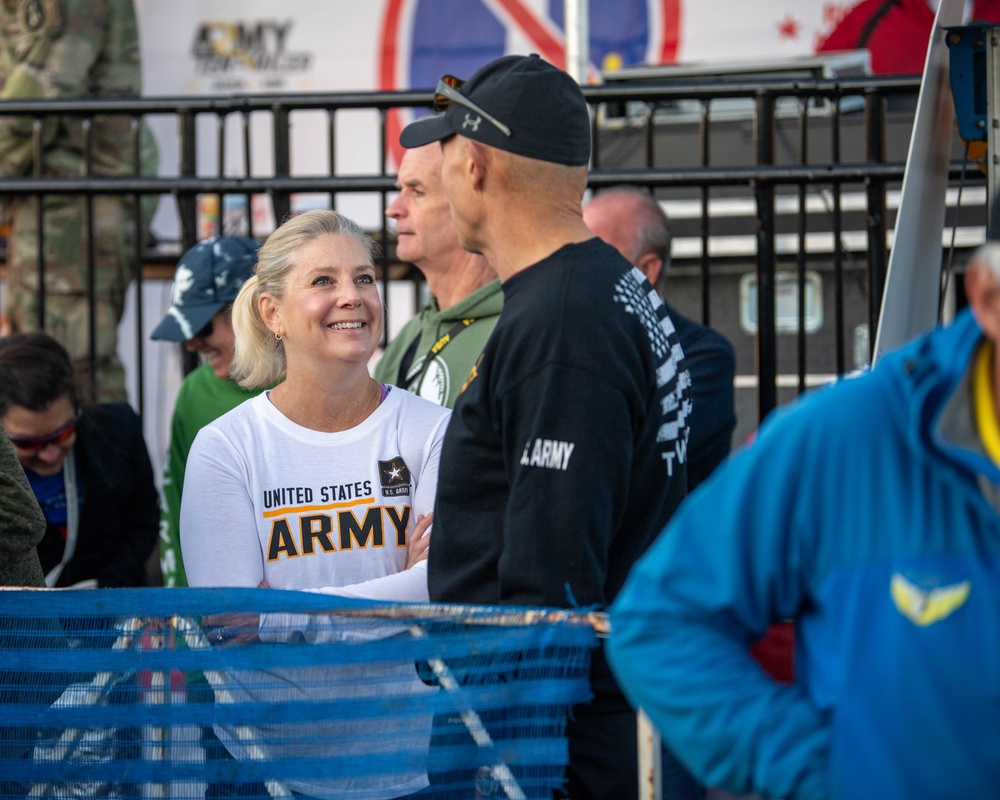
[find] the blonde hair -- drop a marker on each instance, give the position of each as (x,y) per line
(259,360)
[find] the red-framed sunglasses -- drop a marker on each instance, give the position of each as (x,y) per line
(38,443)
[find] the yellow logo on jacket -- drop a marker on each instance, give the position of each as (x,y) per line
(926,606)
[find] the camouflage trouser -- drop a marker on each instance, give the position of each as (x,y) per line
(67,309)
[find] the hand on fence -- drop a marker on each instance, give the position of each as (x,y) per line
(228,629)
(224,630)
(418,545)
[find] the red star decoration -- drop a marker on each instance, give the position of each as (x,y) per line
(789,28)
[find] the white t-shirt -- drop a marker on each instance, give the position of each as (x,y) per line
(265,498)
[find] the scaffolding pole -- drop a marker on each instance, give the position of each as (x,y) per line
(913,281)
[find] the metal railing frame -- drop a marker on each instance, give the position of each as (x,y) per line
(762,178)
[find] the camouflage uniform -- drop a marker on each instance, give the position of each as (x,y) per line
(73,49)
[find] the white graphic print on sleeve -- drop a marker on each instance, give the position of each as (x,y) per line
(639,298)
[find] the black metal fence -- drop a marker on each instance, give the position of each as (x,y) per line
(775,188)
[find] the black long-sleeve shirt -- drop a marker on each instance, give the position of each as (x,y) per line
(566,453)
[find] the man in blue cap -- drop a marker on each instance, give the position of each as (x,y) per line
(207,280)
(566,451)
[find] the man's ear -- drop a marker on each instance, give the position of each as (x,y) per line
(650,265)
(478,163)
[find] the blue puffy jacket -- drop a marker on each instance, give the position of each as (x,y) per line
(854,513)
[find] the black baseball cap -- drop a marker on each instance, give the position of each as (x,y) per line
(208,276)
(521,104)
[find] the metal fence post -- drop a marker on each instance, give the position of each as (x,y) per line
(650,767)
(767,340)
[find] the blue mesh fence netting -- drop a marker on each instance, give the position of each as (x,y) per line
(224,693)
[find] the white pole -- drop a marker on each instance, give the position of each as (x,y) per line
(577,39)
(913,279)
(650,776)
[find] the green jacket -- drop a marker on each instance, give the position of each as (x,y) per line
(201,399)
(21,523)
(440,376)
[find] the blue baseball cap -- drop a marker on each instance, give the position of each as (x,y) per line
(208,277)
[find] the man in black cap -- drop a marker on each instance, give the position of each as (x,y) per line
(207,279)
(566,452)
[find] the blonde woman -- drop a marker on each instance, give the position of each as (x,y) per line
(327,480)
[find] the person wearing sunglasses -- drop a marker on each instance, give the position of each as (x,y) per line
(89,470)
(567,450)
(207,279)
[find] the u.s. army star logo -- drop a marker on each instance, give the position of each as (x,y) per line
(394,476)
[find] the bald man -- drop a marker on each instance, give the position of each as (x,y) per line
(636,226)
(566,453)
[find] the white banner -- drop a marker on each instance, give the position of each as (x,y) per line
(224,47)
(246,46)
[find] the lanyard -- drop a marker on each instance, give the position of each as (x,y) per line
(403,379)
(72,519)
(982,398)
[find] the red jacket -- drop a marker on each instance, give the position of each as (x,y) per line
(895,32)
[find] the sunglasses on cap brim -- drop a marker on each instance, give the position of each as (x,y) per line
(447,93)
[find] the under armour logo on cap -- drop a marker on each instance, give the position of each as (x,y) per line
(521,104)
